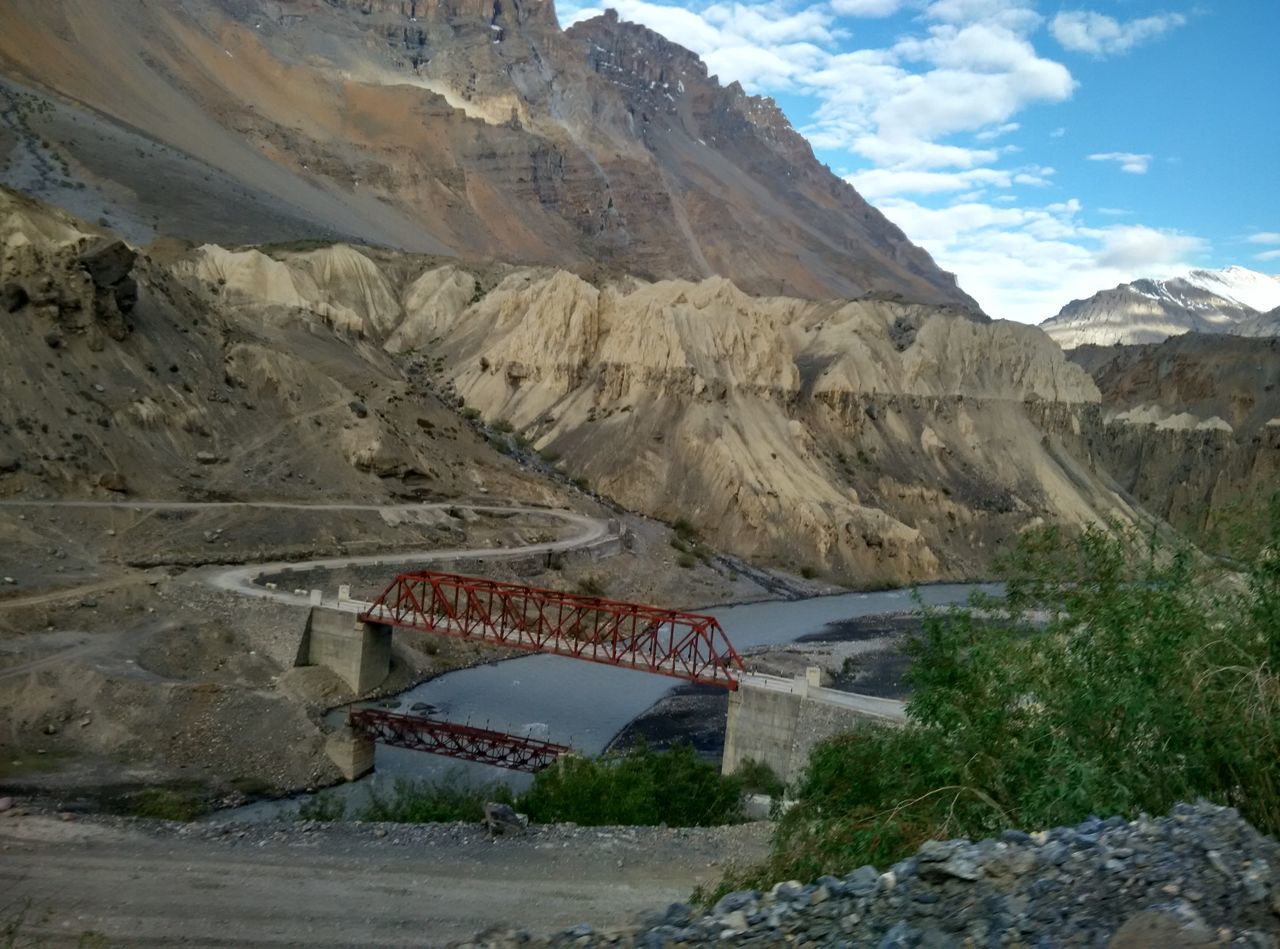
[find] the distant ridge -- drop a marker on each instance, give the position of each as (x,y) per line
(1235,300)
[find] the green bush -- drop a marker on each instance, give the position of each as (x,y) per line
(642,787)
(688,561)
(166,803)
(685,530)
(758,778)
(449,799)
(1106,682)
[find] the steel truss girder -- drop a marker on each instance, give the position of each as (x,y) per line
(668,642)
(455,741)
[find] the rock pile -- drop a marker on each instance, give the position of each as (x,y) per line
(1199,877)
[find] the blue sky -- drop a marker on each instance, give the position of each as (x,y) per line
(1040,150)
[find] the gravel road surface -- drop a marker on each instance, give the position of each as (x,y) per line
(149,883)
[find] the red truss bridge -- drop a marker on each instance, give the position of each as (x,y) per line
(455,741)
(668,642)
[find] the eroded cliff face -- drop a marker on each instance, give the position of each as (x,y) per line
(879,442)
(1190,427)
(472,128)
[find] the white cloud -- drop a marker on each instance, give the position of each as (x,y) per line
(1268,255)
(1025,263)
(975,77)
(764,46)
(1084,31)
(1016,15)
(1128,161)
(990,134)
(1264,237)
(867,8)
(877,183)
(1058,133)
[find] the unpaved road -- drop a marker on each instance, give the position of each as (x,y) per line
(144,884)
(586,531)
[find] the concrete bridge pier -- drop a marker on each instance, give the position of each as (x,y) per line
(360,653)
(352,753)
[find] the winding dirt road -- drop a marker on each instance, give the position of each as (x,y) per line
(587,532)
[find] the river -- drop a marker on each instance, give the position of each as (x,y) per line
(583,704)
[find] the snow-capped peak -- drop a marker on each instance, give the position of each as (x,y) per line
(1248,287)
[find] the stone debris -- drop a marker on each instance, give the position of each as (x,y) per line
(1199,877)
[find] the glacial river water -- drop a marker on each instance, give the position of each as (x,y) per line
(583,704)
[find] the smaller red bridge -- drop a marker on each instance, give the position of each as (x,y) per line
(669,642)
(455,741)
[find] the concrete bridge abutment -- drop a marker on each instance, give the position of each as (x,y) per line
(778,721)
(359,653)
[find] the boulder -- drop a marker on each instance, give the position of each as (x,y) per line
(113,481)
(502,819)
(13,298)
(108,263)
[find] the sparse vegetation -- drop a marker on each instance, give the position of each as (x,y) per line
(642,787)
(449,799)
(164,803)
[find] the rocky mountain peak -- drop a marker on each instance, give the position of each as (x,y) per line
(466,128)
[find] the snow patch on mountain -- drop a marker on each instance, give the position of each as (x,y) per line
(1235,300)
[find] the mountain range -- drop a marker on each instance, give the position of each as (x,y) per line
(1236,300)
(472,129)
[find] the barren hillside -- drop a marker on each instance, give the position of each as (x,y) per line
(478,130)
(878,442)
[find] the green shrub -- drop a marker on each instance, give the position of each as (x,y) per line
(685,530)
(502,425)
(808,572)
(1106,682)
(758,778)
(449,799)
(166,803)
(688,561)
(642,787)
